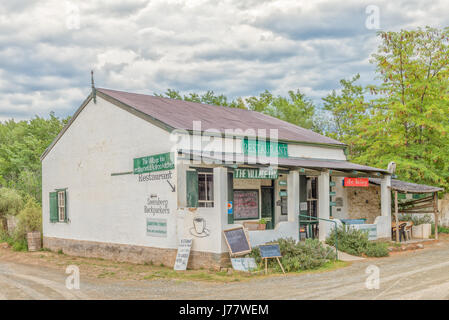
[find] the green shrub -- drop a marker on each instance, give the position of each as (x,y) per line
(350,240)
(297,256)
(355,242)
(377,249)
(29,219)
(441,229)
(417,219)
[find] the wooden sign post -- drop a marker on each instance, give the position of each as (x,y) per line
(268,251)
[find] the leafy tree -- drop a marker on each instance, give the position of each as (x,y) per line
(347,108)
(295,108)
(21,145)
(408,120)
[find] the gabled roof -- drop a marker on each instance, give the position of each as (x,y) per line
(171,114)
(179,114)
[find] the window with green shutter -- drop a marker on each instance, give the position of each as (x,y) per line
(192,189)
(58,206)
(54,207)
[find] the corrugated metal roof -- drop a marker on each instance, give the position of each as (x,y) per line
(180,114)
(408,187)
(284,162)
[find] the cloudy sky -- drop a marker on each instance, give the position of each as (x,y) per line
(235,47)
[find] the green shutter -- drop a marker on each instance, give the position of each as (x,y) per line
(192,189)
(54,207)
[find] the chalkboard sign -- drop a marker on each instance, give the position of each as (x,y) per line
(270,251)
(237,241)
(246,204)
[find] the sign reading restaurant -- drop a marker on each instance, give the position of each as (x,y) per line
(265,148)
(157,162)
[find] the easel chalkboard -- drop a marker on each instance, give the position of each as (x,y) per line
(237,241)
(268,251)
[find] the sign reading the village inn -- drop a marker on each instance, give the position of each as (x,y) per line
(356,182)
(255,173)
(157,162)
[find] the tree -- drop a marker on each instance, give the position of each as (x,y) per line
(347,108)
(21,145)
(408,120)
(295,108)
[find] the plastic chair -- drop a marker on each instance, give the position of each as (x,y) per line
(408,230)
(402,234)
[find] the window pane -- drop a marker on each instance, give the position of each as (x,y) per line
(202,187)
(210,187)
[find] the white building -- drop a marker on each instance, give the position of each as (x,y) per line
(132,174)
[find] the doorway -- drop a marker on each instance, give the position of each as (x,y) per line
(267,210)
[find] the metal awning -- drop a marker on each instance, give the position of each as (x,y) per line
(290,162)
(408,187)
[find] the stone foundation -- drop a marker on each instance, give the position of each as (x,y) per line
(135,254)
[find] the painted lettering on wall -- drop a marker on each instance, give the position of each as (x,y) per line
(156,205)
(155,176)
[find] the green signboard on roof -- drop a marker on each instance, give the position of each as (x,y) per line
(265,148)
(157,162)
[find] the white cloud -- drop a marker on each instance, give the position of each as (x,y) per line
(235,47)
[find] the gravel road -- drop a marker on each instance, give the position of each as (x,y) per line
(423,274)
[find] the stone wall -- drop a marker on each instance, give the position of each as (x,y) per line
(135,254)
(363,203)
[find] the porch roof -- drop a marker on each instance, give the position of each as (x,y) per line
(290,162)
(407,187)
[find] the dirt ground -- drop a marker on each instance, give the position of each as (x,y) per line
(419,274)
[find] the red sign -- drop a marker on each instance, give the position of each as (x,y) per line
(356,182)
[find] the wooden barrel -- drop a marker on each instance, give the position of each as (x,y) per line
(34,241)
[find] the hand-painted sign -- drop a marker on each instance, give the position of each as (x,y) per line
(244,264)
(255,173)
(270,251)
(237,241)
(182,257)
(157,162)
(246,204)
(356,182)
(157,227)
(265,148)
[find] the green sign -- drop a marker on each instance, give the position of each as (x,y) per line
(332,203)
(157,162)
(332,193)
(282,193)
(255,173)
(282,182)
(157,227)
(265,148)
(332,184)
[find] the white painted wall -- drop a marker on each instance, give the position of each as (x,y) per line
(104,139)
